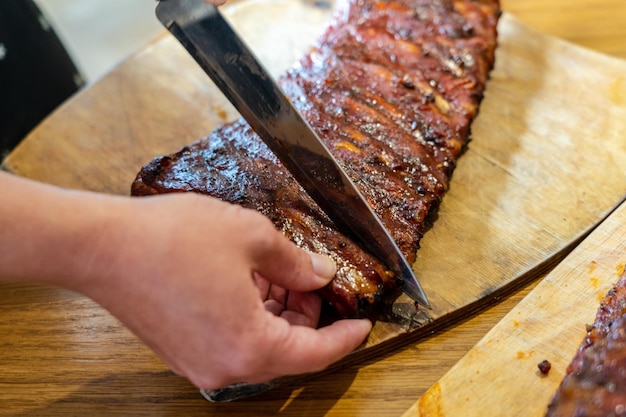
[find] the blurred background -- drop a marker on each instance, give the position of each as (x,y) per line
(99,34)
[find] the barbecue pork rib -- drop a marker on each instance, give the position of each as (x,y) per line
(391,87)
(594,381)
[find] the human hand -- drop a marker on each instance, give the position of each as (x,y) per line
(215,290)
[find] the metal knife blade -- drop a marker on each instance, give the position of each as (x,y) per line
(215,46)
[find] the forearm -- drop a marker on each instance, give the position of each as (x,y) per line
(47,234)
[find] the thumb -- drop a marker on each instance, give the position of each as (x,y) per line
(283,263)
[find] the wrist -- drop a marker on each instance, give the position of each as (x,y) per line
(50,235)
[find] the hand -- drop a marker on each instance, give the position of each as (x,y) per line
(188,274)
(205,285)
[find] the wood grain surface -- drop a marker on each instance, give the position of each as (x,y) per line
(499,376)
(63,355)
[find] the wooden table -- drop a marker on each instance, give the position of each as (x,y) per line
(61,354)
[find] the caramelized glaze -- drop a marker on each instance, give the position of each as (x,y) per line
(594,382)
(391,87)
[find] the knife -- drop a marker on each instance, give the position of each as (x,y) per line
(215,46)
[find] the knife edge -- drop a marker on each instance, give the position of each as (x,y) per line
(206,35)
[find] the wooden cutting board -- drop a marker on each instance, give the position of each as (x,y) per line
(545,164)
(499,376)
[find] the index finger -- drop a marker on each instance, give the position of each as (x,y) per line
(303,349)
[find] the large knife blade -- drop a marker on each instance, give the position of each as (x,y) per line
(216,47)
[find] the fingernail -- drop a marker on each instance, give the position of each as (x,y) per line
(323,266)
(367,324)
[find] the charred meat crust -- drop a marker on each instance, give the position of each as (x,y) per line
(594,380)
(391,87)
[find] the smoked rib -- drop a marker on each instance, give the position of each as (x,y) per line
(392,88)
(594,381)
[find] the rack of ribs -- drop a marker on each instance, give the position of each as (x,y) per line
(391,87)
(594,380)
